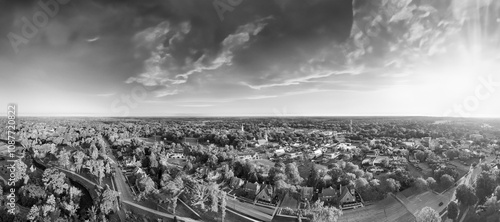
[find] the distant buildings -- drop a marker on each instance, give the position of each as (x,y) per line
(177,155)
(248,156)
(476,137)
(279,152)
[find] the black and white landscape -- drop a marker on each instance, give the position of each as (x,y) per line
(250,110)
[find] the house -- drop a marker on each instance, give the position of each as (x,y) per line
(279,152)
(294,155)
(316,153)
(236,183)
(367,161)
(348,199)
(248,156)
(332,155)
(409,144)
(476,136)
(345,146)
(381,160)
(177,155)
(373,153)
(266,195)
(327,194)
(306,193)
(262,142)
(251,188)
(346,195)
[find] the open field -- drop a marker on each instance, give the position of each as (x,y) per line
(389,209)
(264,162)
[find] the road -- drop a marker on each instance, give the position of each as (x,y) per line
(158,213)
(249,210)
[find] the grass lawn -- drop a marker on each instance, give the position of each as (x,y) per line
(178,162)
(426,169)
(416,172)
(264,162)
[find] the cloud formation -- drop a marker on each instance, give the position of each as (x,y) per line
(167,69)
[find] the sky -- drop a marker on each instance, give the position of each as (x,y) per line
(251,57)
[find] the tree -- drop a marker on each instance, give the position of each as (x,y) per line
(92,212)
(466,195)
(492,205)
(446,181)
(63,159)
(94,153)
(34,213)
(428,214)
(100,171)
(420,184)
(485,185)
(20,171)
(147,185)
(315,176)
(54,180)
(452,210)
(391,185)
(420,155)
(292,173)
(351,167)
(213,160)
(319,213)
(452,154)
(497,192)
(214,202)
(431,183)
(361,183)
(74,193)
(108,200)
(50,206)
(223,204)
(79,156)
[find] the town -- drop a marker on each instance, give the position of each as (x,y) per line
(254,169)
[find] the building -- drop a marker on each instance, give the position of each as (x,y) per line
(294,155)
(316,153)
(332,155)
(306,193)
(381,160)
(345,146)
(177,156)
(348,198)
(327,194)
(372,153)
(262,142)
(279,152)
(252,188)
(427,140)
(266,195)
(409,144)
(236,183)
(248,156)
(367,162)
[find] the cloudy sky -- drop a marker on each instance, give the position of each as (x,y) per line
(251,57)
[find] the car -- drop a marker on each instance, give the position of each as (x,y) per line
(441,204)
